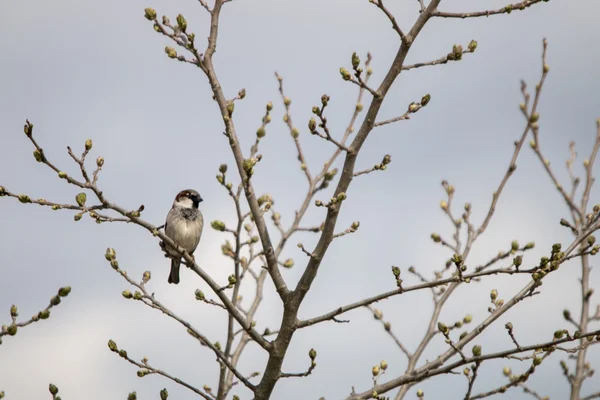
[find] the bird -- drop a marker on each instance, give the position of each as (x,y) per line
(184,226)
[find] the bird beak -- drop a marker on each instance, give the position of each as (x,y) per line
(198,199)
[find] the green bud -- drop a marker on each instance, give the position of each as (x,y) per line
(62,175)
(591,240)
(28,128)
(534,117)
(171,52)
(506,371)
(99,162)
(269,106)
(375,370)
(468,318)
(199,295)
(218,225)
(13,311)
(312,354)
(514,246)
(420,393)
(476,350)
(556,247)
(261,132)
(77,216)
(150,14)
(127,294)
(88,144)
(132,396)
(80,199)
(231,279)
(442,327)
(341,196)
(55,300)
(12,330)
(517,261)
(345,74)
(295,132)
(64,291)
(425,100)
(509,326)
(38,155)
(493,294)
(164,394)
(355,60)
(537,361)
(181,23)
(559,334)
(312,125)
(529,246)
(436,238)
(110,254)
(472,45)
(457,51)
(289,263)
(23,198)
(45,314)
(53,389)
(2,191)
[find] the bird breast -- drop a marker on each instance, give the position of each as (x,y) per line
(185,232)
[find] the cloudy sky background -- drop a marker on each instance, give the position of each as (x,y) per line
(82,69)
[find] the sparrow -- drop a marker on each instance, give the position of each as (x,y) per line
(184,226)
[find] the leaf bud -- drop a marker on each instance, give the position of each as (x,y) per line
(150,14)
(345,74)
(38,155)
(218,225)
(171,52)
(472,45)
(80,199)
(375,370)
(164,395)
(53,389)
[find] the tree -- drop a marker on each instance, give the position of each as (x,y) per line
(258,237)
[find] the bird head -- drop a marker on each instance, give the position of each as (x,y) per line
(188,198)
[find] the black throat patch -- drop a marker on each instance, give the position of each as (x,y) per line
(189,213)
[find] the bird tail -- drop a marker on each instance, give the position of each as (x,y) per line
(174,275)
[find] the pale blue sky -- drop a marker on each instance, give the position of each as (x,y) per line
(82,69)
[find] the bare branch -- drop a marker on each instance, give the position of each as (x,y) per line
(504,10)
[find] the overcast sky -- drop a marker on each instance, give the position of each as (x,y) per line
(82,69)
